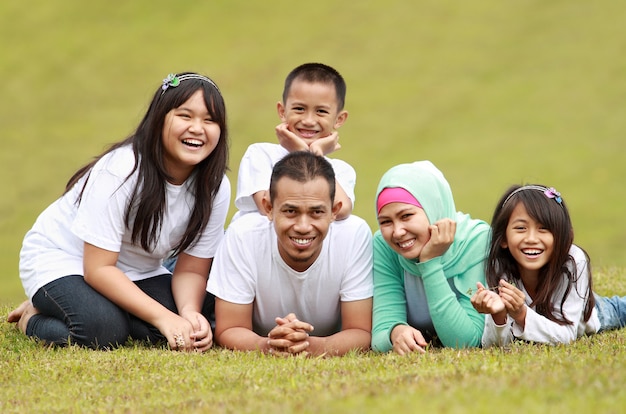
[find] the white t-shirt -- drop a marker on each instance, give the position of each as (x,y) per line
(248,268)
(540,329)
(255,173)
(53,248)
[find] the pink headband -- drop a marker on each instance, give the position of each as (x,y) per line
(395,195)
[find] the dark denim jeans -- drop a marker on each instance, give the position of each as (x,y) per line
(71,310)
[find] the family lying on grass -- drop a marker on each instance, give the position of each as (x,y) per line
(295,272)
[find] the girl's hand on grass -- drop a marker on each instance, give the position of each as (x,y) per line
(202,336)
(289,337)
(406,339)
(178,331)
(514,301)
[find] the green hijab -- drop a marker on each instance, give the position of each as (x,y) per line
(428,185)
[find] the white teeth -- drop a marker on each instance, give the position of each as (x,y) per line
(193,142)
(532,252)
(407,244)
(301,241)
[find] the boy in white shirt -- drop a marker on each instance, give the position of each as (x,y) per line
(311,111)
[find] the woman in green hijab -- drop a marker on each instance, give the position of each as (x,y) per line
(427,259)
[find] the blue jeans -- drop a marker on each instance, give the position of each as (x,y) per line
(611,312)
(71,311)
(170,263)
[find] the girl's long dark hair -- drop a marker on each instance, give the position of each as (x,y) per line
(148,197)
(555,217)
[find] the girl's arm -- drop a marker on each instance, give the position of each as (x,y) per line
(389,296)
(496,335)
(189,290)
(102,274)
(497,326)
(538,328)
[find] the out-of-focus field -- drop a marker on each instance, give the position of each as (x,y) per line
(492,92)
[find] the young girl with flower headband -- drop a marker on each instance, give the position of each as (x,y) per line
(426,256)
(91,265)
(541,285)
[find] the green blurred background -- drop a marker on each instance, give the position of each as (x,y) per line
(493,92)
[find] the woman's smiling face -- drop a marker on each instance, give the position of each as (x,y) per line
(405,227)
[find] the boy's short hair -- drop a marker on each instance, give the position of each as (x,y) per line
(303,166)
(321,73)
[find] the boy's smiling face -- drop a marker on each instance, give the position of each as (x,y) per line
(311,110)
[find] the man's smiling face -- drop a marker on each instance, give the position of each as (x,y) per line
(302,213)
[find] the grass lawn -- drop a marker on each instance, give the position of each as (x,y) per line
(587,376)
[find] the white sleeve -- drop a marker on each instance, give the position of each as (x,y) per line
(100,215)
(496,335)
(232,277)
(345,176)
(213,234)
(255,172)
(357,283)
(538,328)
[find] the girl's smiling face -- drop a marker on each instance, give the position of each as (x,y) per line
(189,136)
(405,227)
(531,244)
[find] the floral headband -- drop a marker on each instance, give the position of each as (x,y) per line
(548,192)
(172,80)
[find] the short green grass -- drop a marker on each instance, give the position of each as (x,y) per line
(585,376)
(494,92)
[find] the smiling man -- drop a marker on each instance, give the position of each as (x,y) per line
(299,282)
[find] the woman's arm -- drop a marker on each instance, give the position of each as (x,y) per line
(456,321)
(389,296)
